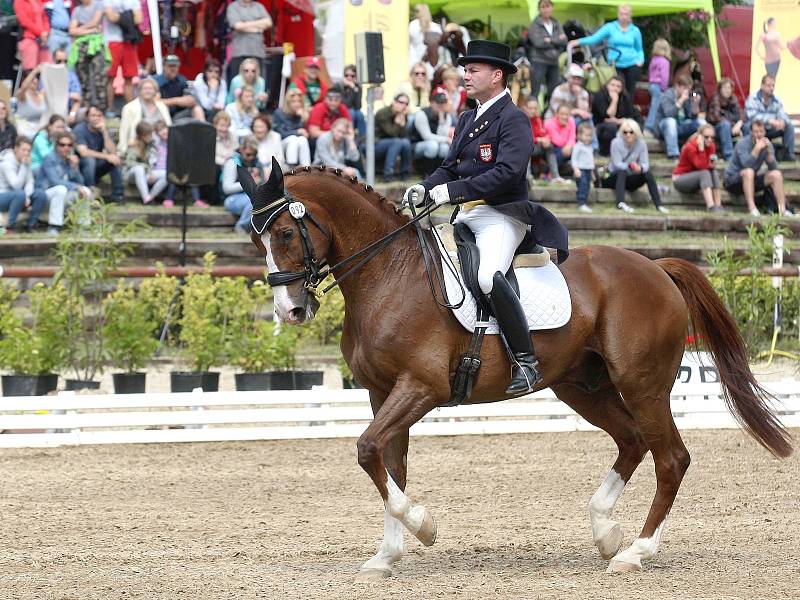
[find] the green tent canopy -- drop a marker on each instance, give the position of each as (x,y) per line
(505,14)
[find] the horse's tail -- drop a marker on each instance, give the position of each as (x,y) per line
(713,324)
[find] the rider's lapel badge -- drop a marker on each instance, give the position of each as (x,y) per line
(485,153)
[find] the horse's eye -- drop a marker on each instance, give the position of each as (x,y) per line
(287,234)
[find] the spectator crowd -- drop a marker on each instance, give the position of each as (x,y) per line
(56,142)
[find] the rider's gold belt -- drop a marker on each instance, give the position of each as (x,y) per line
(468,206)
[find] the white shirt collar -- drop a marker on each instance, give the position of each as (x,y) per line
(482,108)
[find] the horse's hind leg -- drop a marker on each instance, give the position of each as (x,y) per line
(391,549)
(604,408)
(654,418)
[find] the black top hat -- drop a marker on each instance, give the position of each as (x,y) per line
(492,53)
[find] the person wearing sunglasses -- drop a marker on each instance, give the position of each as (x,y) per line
(417,87)
(629,167)
(391,138)
(351,98)
(61,180)
(696,168)
(249,75)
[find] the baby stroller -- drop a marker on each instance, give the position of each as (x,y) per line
(600,67)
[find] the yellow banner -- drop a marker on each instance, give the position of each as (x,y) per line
(388,17)
(776,49)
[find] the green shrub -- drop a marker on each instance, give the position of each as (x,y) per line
(201,335)
(129,330)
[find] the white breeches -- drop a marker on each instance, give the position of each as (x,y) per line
(497,236)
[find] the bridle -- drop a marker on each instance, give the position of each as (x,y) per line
(315,271)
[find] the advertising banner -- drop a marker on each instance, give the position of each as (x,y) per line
(388,17)
(776,49)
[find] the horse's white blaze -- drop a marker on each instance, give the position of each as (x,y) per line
(602,503)
(641,549)
(391,549)
(401,508)
(283,305)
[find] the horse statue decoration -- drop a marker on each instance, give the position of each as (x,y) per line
(614,362)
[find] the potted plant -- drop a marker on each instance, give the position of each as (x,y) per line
(130,337)
(202,332)
(32,351)
(286,376)
(88,251)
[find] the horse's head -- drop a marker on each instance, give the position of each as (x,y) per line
(293,242)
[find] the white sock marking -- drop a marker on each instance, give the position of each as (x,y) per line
(642,548)
(401,508)
(602,503)
(391,549)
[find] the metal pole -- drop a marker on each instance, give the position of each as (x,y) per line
(371,135)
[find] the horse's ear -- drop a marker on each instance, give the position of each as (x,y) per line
(248,184)
(275,180)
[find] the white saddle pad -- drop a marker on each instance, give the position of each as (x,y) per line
(543,292)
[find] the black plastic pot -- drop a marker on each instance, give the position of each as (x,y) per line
(295,380)
(74,385)
(253,382)
(29,385)
(186,381)
(129,383)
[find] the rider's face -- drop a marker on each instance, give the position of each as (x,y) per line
(480,80)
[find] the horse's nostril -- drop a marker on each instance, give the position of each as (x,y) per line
(298,313)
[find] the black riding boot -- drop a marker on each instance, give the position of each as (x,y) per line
(514,325)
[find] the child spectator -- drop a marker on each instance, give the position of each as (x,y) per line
(8,133)
(139,159)
(269,143)
(290,123)
(695,169)
(242,112)
(658,78)
(583,165)
(560,129)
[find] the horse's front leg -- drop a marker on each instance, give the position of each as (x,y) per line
(383,446)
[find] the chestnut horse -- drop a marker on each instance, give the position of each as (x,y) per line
(614,363)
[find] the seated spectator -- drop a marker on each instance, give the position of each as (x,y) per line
(17,185)
(97,152)
(290,123)
(337,148)
(210,89)
(242,112)
(8,133)
(326,112)
(74,91)
(542,146)
(174,90)
(44,140)
(766,107)
(696,168)
(35,29)
(147,107)
(572,95)
(391,137)
(60,180)
(312,88)
(629,168)
(456,93)
(269,143)
(88,54)
(237,202)
(609,106)
(582,160)
(225,147)
(31,103)
(432,132)
(249,75)
(561,130)
(742,175)
(351,98)
(159,168)
(120,27)
(726,115)
(658,78)
(139,159)
(677,115)
(417,87)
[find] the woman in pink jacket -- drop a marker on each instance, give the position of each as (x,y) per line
(35,33)
(561,130)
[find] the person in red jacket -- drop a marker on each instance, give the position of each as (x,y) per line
(541,141)
(35,33)
(696,168)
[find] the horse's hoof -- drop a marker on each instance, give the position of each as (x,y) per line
(610,543)
(427,532)
(370,575)
(619,566)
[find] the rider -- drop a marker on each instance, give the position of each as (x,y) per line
(485,173)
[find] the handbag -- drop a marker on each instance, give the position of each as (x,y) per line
(599,74)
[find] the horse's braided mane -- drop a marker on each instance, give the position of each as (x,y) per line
(380,199)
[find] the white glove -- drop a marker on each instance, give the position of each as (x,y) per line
(414,195)
(440,194)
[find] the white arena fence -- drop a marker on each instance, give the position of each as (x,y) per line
(71,419)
